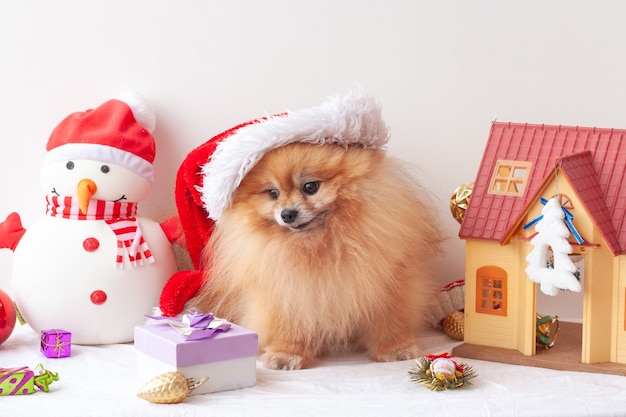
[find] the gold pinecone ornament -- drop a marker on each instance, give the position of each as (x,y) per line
(453,325)
(169,388)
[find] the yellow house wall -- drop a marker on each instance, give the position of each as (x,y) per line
(489,329)
(618,352)
(526,308)
(598,312)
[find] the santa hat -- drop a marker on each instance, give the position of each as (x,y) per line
(211,173)
(116,132)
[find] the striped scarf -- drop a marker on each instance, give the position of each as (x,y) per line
(120,217)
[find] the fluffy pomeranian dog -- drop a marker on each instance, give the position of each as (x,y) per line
(324,248)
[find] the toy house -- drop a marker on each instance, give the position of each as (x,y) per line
(585,169)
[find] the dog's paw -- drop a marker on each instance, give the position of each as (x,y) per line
(402,353)
(283,361)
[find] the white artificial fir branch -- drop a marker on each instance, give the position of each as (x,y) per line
(552,233)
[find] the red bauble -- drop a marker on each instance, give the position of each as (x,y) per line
(7,316)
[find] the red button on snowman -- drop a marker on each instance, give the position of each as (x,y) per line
(91,265)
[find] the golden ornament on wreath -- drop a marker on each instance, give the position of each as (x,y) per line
(460,201)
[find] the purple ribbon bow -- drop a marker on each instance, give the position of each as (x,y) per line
(195,326)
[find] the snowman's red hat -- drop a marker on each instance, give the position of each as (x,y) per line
(116,132)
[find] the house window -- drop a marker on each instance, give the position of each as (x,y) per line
(491,292)
(564,201)
(509,177)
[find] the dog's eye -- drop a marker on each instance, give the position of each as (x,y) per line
(311,188)
(274,193)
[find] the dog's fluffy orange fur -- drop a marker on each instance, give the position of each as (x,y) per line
(324,249)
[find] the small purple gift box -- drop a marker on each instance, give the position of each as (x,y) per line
(56,343)
(227,358)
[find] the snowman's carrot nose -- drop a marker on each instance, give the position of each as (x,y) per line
(86,188)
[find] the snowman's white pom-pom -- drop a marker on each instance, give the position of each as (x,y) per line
(143,112)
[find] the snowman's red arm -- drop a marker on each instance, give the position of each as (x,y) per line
(11,231)
(173,230)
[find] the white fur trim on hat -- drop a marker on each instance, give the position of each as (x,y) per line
(104,153)
(354,119)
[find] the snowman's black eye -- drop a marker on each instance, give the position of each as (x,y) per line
(105,169)
(69,165)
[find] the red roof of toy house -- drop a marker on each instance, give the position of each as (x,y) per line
(592,159)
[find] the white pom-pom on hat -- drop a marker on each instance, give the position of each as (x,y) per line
(143,112)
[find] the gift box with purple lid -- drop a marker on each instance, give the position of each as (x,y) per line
(223,352)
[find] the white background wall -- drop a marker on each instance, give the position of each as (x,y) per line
(443,71)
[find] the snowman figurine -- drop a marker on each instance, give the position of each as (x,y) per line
(91,266)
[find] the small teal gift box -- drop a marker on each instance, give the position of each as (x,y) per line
(56,343)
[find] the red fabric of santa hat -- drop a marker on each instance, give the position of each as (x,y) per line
(211,173)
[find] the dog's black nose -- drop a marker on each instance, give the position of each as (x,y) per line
(289,215)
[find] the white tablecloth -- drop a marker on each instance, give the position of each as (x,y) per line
(102,381)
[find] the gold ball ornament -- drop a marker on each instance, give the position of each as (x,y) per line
(169,388)
(460,200)
(454,325)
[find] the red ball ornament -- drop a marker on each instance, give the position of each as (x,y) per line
(7,316)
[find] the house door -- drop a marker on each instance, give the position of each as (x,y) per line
(568,307)
(586,317)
